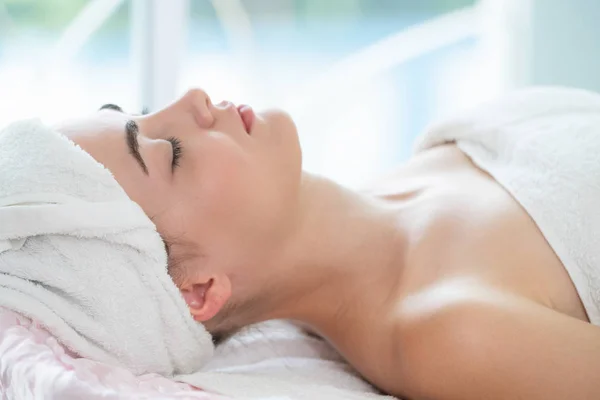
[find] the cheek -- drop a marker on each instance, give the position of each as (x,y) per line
(241,197)
(225,218)
(221,187)
(239,208)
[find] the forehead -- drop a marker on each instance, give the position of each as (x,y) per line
(102,135)
(105,125)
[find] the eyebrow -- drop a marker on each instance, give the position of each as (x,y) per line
(131,137)
(110,106)
(114,107)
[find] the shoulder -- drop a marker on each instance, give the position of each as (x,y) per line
(445,337)
(472,342)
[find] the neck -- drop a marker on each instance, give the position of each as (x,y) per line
(344,244)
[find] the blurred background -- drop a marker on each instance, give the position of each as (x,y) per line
(361,78)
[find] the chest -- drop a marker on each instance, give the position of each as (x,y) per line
(470,227)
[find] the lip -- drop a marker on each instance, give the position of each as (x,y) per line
(248,117)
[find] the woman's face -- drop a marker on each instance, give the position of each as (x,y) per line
(220,185)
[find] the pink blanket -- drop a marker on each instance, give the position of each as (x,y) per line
(33,365)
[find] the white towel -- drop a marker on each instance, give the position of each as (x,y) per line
(543,146)
(83,260)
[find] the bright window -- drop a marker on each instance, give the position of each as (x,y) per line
(361,77)
(53,69)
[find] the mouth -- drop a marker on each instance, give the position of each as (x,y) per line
(247,114)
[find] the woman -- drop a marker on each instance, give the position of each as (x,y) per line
(434,283)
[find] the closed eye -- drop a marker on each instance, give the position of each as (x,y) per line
(177,151)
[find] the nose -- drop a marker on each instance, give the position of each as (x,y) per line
(200,104)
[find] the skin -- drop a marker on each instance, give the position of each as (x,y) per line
(432,282)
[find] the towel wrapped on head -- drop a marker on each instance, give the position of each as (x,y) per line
(83,260)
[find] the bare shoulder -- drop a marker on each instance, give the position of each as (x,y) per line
(465,341)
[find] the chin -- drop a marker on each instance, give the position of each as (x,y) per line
(281,125)
(282,133)
(279,121)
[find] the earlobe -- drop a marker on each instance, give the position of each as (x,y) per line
(206,299)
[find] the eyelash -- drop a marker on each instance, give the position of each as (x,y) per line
(177,151)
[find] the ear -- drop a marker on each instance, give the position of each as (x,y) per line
(205,296)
